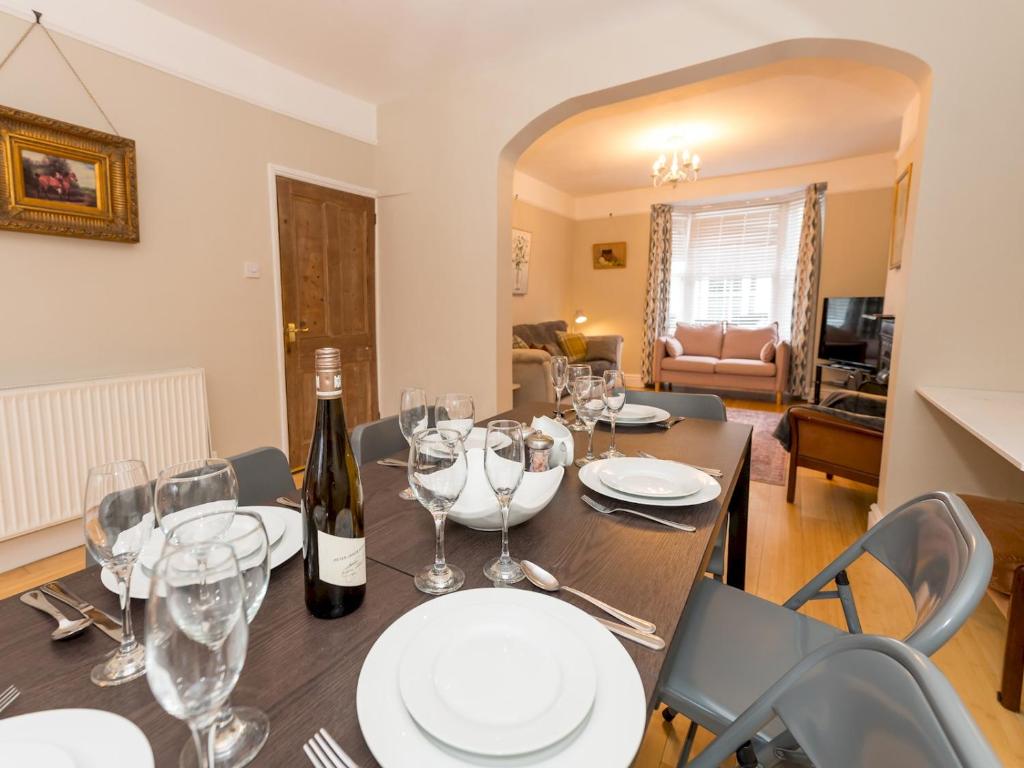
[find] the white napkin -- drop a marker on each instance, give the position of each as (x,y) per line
(563,452)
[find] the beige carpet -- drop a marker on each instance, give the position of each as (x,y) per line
(769,459)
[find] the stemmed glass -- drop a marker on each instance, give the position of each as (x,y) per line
(614,400)
(412,418)
(588,399)
(196,636)
(241,731)
(437,474)
(574,372)
(118,516)
(194,490)
(456,411)
(559,380)
(504,464)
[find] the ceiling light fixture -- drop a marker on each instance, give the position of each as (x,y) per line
(684,166)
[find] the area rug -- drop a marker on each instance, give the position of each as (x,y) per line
(768,458)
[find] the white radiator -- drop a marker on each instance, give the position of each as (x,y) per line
(50,435)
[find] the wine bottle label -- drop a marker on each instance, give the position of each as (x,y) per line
(328,385)
(342,560)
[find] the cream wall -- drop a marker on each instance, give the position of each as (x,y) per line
(547,296)
(73,308)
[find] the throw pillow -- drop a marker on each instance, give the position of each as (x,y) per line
(672,346)
(768,352)
(518,343)
(602,348)
(551,349)
(574,346)
(701,339)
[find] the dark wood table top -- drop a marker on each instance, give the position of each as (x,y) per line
(303,671)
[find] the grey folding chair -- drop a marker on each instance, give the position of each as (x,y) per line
(861,701)
(693,406)
(263,475)
(730,646)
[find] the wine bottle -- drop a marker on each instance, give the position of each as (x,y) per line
(333,543)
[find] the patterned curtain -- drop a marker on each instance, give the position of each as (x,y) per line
(659,276)
(805,296)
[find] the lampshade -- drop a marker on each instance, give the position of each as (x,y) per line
(580,317)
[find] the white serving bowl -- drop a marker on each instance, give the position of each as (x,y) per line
(477,507)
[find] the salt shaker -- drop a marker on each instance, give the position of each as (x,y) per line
(538,452)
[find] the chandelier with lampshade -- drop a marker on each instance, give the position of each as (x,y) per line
(682,167)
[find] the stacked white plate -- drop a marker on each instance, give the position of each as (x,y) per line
(650,481)
(633,415)
(284,530)
(73,738)
(503,678)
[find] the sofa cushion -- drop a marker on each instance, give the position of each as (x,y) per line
(690,363)
(552,349)
(672,346)
(598,367)
(743,367)
(518,343)
(573,346)
(537,334)
(602,348)
(768,352)
(747,343)
(700,339)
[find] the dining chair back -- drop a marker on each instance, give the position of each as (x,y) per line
(694,406)
(378,439)
(861,700)
(263,475)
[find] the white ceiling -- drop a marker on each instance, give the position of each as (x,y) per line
(384,49)
(792,113)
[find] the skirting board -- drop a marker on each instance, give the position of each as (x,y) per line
(25,549)
(633,380)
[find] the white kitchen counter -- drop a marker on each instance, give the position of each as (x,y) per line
(993,416)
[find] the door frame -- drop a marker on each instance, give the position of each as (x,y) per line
(273,171)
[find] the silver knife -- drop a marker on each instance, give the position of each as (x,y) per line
(102,621)
(653,642)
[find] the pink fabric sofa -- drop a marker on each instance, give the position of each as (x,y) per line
(723,357)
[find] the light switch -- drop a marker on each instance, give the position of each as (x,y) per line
(252,269)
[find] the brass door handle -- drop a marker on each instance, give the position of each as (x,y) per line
(291,330)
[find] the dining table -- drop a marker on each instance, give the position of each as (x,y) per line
(303,671)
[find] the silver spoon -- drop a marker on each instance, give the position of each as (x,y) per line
(546,581)
(65,627)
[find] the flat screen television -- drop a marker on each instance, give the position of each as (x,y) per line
(850,331)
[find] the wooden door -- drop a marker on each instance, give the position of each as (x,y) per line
(327,292)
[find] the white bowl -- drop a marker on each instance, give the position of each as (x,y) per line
(477,507)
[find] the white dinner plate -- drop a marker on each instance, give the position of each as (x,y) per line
(651,477)
(31,753)
(477,506)
(590,476)
(609,737)
(452,671)
(289,543)
(91,738)
(274,523)
(637,418)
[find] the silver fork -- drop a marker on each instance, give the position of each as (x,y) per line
(8,696)
(324,752)
(706,470)
(670,423)
(609,510)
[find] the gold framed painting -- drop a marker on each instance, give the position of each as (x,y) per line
(900,204)
(609,255)
(62,179)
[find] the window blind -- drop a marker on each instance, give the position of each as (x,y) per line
(736,263)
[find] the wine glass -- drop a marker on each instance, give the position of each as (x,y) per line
(196,636)
(573,372)
(614,400)
(437,474)
(118,518)
(504,464)
(559,380)
(241,731)
(194,490)
(455,410)
(412,418)
(588,399)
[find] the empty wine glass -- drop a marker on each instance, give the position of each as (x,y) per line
(504,465)
(437,474)
(573,372)
(118,518)
(412,418)
(614,400)
(588,399)
(241,731)
(196,636)
(455,410)
(559,380)
(194,490)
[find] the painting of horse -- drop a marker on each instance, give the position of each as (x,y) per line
(64,179)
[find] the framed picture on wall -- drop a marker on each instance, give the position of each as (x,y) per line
(62,179)
(609,255)
(901,199)
(520,262)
